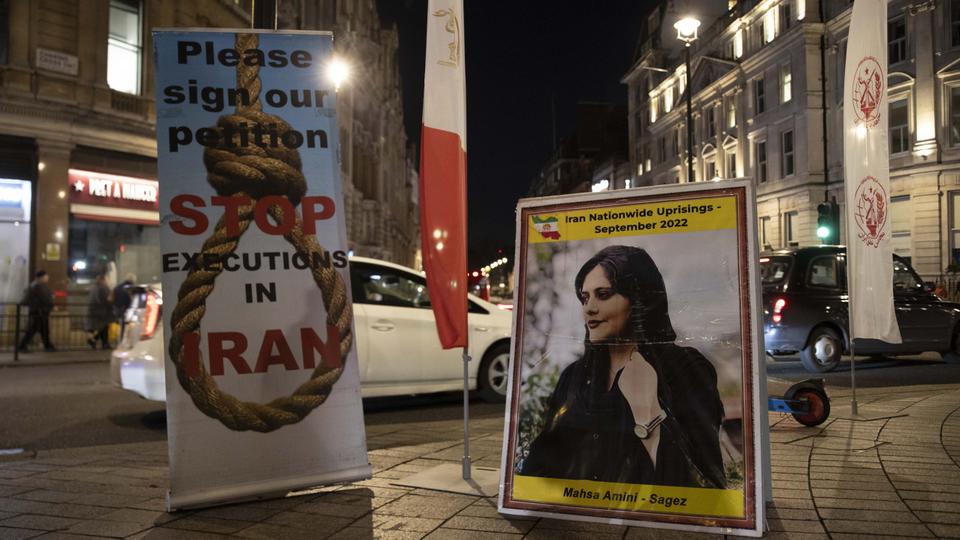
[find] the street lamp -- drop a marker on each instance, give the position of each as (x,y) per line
(337,71)
(687,33)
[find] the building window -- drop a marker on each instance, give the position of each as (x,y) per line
(786,13)
(661,150)
(899,126)
(731,163)
(711,169)
(900,214)
(732,112)
(769,26)
(759,104)
(710,119)
(668,100)
(786,80)
(653,109)
(4,30)
(738,44)
(955,115)
(675,142)
(761,161)
(897,37)
(786,151)
(124,47)
(954,23)
(790,229)
(955,229)
(763,231)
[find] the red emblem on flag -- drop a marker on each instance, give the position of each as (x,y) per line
(871,211)
(868,91)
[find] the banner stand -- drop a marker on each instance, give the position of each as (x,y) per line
(468,480)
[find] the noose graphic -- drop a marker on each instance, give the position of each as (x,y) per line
(254,172)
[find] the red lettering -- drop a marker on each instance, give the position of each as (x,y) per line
(191,354)
(311,215)
(218,353)
(284,355)
(178,207)
(262,210)
(329,350)
(231,211)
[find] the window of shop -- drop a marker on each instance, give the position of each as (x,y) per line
(103,246)
(124,47)
(15,204)
(897,36)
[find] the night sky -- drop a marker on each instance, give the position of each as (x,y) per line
(520,55)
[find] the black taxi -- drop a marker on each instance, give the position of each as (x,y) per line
(805,308)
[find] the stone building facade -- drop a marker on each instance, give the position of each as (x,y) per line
(77,99)
(767,85)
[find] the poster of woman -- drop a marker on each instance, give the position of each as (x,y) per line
(634,387)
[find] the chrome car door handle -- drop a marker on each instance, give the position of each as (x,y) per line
(481,328)
(383,326)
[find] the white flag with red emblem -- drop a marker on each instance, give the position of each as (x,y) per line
(867,175)
(443,171)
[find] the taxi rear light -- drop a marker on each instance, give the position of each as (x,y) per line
(151,316)
(778,306)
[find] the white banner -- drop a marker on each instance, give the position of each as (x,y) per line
(263,393)
(867,175)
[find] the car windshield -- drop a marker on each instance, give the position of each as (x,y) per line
(773,270)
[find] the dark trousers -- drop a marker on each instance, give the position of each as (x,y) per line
(39,322)
(102,335)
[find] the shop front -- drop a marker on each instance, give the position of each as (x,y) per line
(113,228)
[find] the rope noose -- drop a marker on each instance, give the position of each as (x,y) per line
(254,172)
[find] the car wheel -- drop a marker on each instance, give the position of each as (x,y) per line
(493,374)
(953,355)
(818,407)
(823,351)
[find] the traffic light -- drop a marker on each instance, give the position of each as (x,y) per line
(828,223)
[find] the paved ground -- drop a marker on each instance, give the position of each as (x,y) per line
(898,476)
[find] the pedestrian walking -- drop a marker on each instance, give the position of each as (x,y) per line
(39,300)
(99,313)
(122,300)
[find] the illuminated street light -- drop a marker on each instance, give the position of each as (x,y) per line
(687,33)
(338,71)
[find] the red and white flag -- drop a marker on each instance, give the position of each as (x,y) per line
(443,171)
(867,175)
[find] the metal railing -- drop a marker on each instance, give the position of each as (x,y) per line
(68,326)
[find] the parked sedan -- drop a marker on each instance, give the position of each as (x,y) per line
(396,339)
(806,308)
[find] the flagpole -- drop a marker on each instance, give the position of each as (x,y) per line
(853,361)
(466,414)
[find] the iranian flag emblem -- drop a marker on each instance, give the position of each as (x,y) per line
(548,227)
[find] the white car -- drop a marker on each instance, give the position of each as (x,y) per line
(396,339)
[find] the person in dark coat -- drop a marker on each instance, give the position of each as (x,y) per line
(99,313)
(637,408)
(39,300)
(122,300)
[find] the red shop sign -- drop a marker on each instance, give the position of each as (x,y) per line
(102,189)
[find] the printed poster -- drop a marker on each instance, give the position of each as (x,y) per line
(634,393)
(263,393)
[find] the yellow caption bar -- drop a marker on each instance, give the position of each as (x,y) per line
(631,497)
(689,215)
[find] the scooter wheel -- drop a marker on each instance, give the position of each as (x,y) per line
(818,407)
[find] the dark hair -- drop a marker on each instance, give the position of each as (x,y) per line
(633,274)
(40,274)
